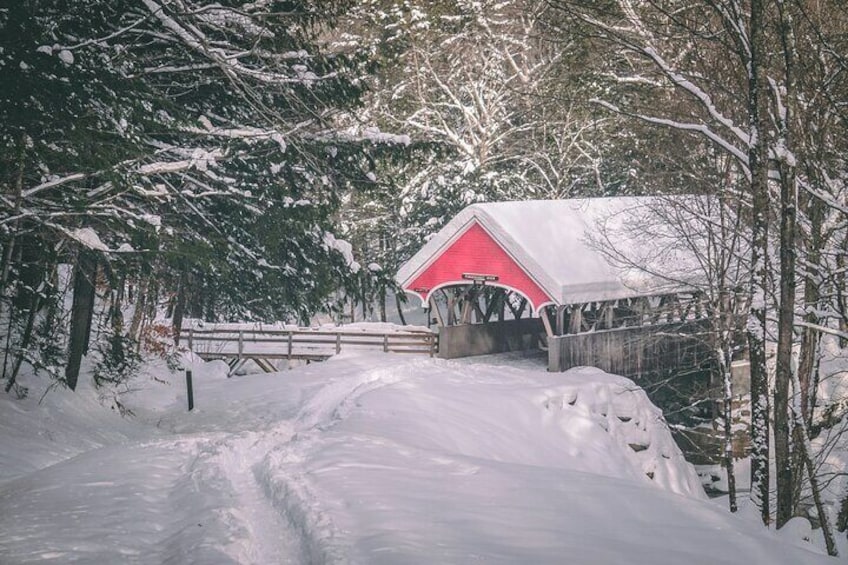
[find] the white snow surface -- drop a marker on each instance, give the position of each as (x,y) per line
(578,250)
(371,458)
(89,238)
(343,247)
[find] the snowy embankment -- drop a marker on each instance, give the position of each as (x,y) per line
(363,459)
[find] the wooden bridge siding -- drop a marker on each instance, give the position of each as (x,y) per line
(633,351)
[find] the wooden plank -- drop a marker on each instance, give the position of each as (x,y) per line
(576,321)
(450,307)
(546,321)
(560,320)
(264,364)
(434,307)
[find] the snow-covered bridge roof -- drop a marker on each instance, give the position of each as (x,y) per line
(558,251)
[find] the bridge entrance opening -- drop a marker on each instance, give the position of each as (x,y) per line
(480,318)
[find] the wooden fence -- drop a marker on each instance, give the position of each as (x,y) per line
(262,346)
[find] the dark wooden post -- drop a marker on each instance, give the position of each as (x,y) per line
(189,391)
(291,335)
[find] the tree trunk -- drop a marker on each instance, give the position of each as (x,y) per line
(811,338)
(140,306)
(383,303)
(806,453)
(17,198)
(179,308)
(758,165)
(842,291)
(194,299)
(399,306)
(786,310)
(82,311)
(37,262)
(8,253)
(727,378)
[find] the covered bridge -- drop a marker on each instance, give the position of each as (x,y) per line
(601,282)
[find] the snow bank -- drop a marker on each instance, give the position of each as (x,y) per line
(371,458)
(49,426)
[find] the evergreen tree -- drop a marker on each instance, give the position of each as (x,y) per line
(196,139)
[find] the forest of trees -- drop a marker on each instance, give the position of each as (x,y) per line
(184,158)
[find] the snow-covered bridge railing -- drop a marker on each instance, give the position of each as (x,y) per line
(263,346)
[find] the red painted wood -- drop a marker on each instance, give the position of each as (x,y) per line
(475,251)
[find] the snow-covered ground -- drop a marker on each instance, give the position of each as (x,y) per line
(367,458)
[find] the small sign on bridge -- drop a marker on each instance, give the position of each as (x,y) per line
(477,277)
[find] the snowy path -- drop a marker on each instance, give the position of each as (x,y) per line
(192,491)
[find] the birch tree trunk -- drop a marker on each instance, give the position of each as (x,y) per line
(724,364)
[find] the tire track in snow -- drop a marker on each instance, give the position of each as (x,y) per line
(269,537)
(336,400)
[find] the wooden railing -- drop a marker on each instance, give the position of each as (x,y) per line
(229,343)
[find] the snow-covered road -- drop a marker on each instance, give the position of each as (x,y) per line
(363,459)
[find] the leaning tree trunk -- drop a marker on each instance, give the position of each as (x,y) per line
(82,311)
(804,447)
(400,310)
